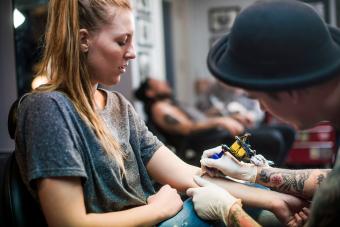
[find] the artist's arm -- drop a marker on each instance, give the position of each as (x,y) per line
(173,120)
(238,217)
(62,202)
(301,183)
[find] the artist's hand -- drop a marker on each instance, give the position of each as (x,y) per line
(228,165)
(166,202)
(210,201)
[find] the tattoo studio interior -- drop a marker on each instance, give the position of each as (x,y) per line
(143,73)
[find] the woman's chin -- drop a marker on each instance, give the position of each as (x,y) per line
(113,82)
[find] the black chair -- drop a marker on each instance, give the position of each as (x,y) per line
(18,208)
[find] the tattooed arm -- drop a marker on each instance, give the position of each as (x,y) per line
(302,183)
(173,120)
(238,217)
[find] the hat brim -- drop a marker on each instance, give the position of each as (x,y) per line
(226,69)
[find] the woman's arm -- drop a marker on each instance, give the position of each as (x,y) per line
(62,202)
(166,168)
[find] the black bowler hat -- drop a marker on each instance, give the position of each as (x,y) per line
(276,45)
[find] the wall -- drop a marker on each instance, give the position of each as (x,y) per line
(8,92)
(191,41)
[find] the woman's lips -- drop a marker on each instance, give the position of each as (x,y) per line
(123,68)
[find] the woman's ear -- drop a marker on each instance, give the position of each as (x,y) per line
(84,40)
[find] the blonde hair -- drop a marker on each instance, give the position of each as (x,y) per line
(66,66)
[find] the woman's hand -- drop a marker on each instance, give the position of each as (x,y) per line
(166,202)
(299,219)
(290,210)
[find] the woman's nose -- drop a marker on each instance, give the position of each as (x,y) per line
(130,54)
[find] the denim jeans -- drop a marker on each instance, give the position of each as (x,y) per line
(187,217)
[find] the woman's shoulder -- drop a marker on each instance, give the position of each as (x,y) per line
(46,96)
(44,100)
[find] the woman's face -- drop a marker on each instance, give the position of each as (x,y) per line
(111,47)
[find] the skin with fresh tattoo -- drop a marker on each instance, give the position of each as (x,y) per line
(302,183)
(238,217)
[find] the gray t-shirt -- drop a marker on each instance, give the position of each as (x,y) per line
(52,140)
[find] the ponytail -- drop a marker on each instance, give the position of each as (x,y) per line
(65,65)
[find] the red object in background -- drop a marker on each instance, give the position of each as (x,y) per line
(316,146)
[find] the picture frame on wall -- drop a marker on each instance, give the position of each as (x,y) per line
(143,5)
(144,64)
(144,32)
(221,19)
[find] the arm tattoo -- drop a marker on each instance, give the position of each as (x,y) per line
(170,120)
(239,217)
(234,216)
(320,178)
(285,181)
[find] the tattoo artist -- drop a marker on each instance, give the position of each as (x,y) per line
(283,54)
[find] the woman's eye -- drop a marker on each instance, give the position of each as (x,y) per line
(121,43)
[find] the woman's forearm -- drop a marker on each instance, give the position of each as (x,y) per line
(166,168)
(62,202)
(302,183)
(250,196)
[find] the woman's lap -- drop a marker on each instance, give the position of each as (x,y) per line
(188,217)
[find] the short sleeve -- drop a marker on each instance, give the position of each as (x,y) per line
(47,135)
(148,143)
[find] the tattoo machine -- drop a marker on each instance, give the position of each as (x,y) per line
(242,151)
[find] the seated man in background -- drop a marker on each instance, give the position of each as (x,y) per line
(217,99)
(185,128)
(174,118)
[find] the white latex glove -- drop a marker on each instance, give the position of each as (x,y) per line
(260,160)
(210,201)
(228,165)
